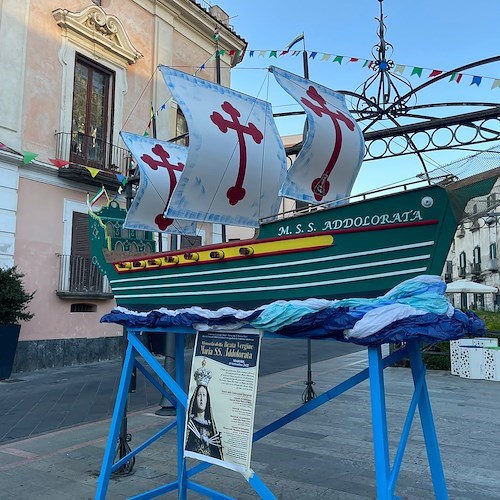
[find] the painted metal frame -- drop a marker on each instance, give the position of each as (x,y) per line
(386,476)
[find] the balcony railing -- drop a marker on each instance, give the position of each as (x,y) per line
(89,151)
(79,277)
(475,268)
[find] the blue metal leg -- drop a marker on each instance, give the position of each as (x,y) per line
(121,399)
(181,418)
(379,422)
(428,428)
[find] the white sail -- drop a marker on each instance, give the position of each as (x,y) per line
(160,164)
(333,149)
(236,160)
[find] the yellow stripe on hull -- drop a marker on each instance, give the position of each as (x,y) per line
(223,253)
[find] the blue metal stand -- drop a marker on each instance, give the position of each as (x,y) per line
(386,477)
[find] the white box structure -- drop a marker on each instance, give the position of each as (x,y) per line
(492,363)
(472,362)
(455,360)
(471,358)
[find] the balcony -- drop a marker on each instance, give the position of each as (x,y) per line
(79,279)
(492,265)
(475,268)
(461,272)
(87,151)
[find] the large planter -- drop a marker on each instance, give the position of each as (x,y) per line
(9,335)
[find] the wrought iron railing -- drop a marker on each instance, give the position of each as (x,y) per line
(79,276)
(89,151)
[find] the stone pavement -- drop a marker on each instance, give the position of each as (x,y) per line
(325,454)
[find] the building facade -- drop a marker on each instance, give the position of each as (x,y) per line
(474,255)
(76,73)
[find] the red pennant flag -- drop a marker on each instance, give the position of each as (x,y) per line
(353,59)
(435,72)
(58,163)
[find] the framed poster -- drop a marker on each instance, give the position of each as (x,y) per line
(221,398)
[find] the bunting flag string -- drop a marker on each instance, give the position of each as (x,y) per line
(58,163)
(371,64)
(93,171)
(29,156)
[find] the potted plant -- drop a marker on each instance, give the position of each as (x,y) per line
(14,301)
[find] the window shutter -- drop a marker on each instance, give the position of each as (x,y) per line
(80,242)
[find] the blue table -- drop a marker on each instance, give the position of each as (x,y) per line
(386,475)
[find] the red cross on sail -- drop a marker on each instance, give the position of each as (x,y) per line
(333,149)
(236,161)
(237,192)
(160,165)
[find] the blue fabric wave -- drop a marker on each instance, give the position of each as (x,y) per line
(416,309)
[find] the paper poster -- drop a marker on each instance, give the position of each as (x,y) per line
(221,399)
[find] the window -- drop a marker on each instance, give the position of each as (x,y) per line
(83,275)
(477,255)
(181,128)
(448,273)
(190,241)
(462,259)
(479,301)
(493,251)
(301,205)
(92,114)
(476,260)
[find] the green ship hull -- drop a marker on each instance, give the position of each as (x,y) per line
(360,249)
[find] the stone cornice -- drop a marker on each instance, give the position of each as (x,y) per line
(93,26)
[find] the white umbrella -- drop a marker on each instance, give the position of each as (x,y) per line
(466,286)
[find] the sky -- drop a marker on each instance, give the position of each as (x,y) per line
(427,34)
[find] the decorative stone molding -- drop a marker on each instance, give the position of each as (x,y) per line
(92,26)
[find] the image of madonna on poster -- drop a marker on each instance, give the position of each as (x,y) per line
(201,435)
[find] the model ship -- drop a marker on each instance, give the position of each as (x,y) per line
(234,172)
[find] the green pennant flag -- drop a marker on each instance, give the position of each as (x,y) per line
(338,59)
(452,77)
(28,157)
(416,71)
(274,53)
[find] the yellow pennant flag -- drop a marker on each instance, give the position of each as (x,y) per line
(93,171)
